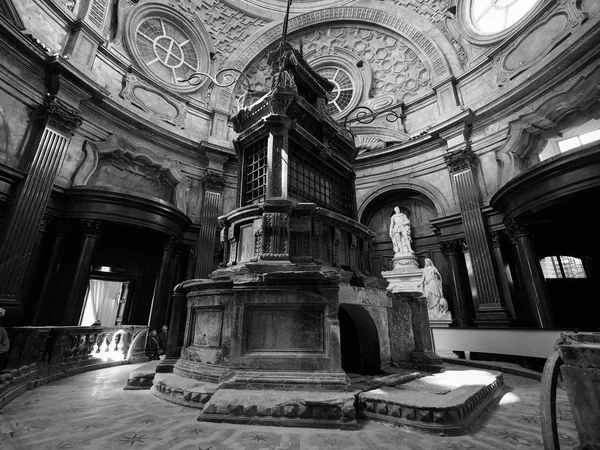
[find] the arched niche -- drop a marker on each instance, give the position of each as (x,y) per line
(418,207)
(528,135)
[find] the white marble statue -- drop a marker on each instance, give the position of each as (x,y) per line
(431,286)
(400,232)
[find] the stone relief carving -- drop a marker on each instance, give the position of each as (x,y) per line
(143,163)
(60,115)
(276,229)
(154,101)
(539,40)
(228,26)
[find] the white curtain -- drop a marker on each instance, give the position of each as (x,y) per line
(103,300)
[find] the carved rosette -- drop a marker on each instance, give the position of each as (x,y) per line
(258,240)
(60,116)
(316,238)
(451,247)
(461,160)
(276,229)
(232,246)
(353,251)
(515,229)
(91,227)
(337,238)
(214,181)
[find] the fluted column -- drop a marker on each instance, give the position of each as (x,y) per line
(43,313)
(76,297)
(530,271)
(489,311)
(461,291)
(211,207)
(162,291)
(17,240)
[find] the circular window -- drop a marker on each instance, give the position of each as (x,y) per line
(495,16)
(342,93)
(167,47)
(166,50)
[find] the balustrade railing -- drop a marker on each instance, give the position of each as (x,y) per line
(39,352)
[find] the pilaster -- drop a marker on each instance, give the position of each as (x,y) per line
(57,124)
(462,161)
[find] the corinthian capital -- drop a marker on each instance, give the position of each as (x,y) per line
(60,116)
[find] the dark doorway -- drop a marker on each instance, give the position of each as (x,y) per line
(359,341)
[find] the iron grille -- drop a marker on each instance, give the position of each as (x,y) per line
(311,181)
(255,178)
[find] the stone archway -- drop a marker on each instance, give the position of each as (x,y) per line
(359,340)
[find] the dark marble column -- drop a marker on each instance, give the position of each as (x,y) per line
(17,240)
(497,240)
(29,294)
(191,265)
(162,291)
(531,275)
(177,325)
(489,310)
(211,207)
(43,313)
(76,297)
(461,291)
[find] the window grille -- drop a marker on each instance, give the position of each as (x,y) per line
(255,177)
(311,181)
(562,267)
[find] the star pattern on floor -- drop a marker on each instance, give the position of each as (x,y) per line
(259,437)
(110,418)
(133,439)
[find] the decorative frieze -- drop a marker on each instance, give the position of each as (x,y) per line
(276,228)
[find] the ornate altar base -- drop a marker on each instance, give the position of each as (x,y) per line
(405,275)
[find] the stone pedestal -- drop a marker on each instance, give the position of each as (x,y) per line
(406,274)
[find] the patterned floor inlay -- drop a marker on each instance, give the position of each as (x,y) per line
(91,411)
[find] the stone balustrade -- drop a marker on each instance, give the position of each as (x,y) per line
(39,355)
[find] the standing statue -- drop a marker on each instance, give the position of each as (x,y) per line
(431,284)
(400,232)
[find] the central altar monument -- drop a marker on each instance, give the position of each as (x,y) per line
(262,339)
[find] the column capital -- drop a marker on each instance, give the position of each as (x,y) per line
(91,227)
(60,116)
(45,223)
(451,247)
(496,238)
(461,160)
(516,228)
(59,226)
(170,243)
(213,181)
(192,252)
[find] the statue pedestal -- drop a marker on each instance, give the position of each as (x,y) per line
(406,274)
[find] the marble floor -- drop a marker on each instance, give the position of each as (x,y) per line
(91,411)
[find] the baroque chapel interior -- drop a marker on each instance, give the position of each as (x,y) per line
(247,224)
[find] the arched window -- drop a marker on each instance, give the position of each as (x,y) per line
(495,16)
(562,267)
